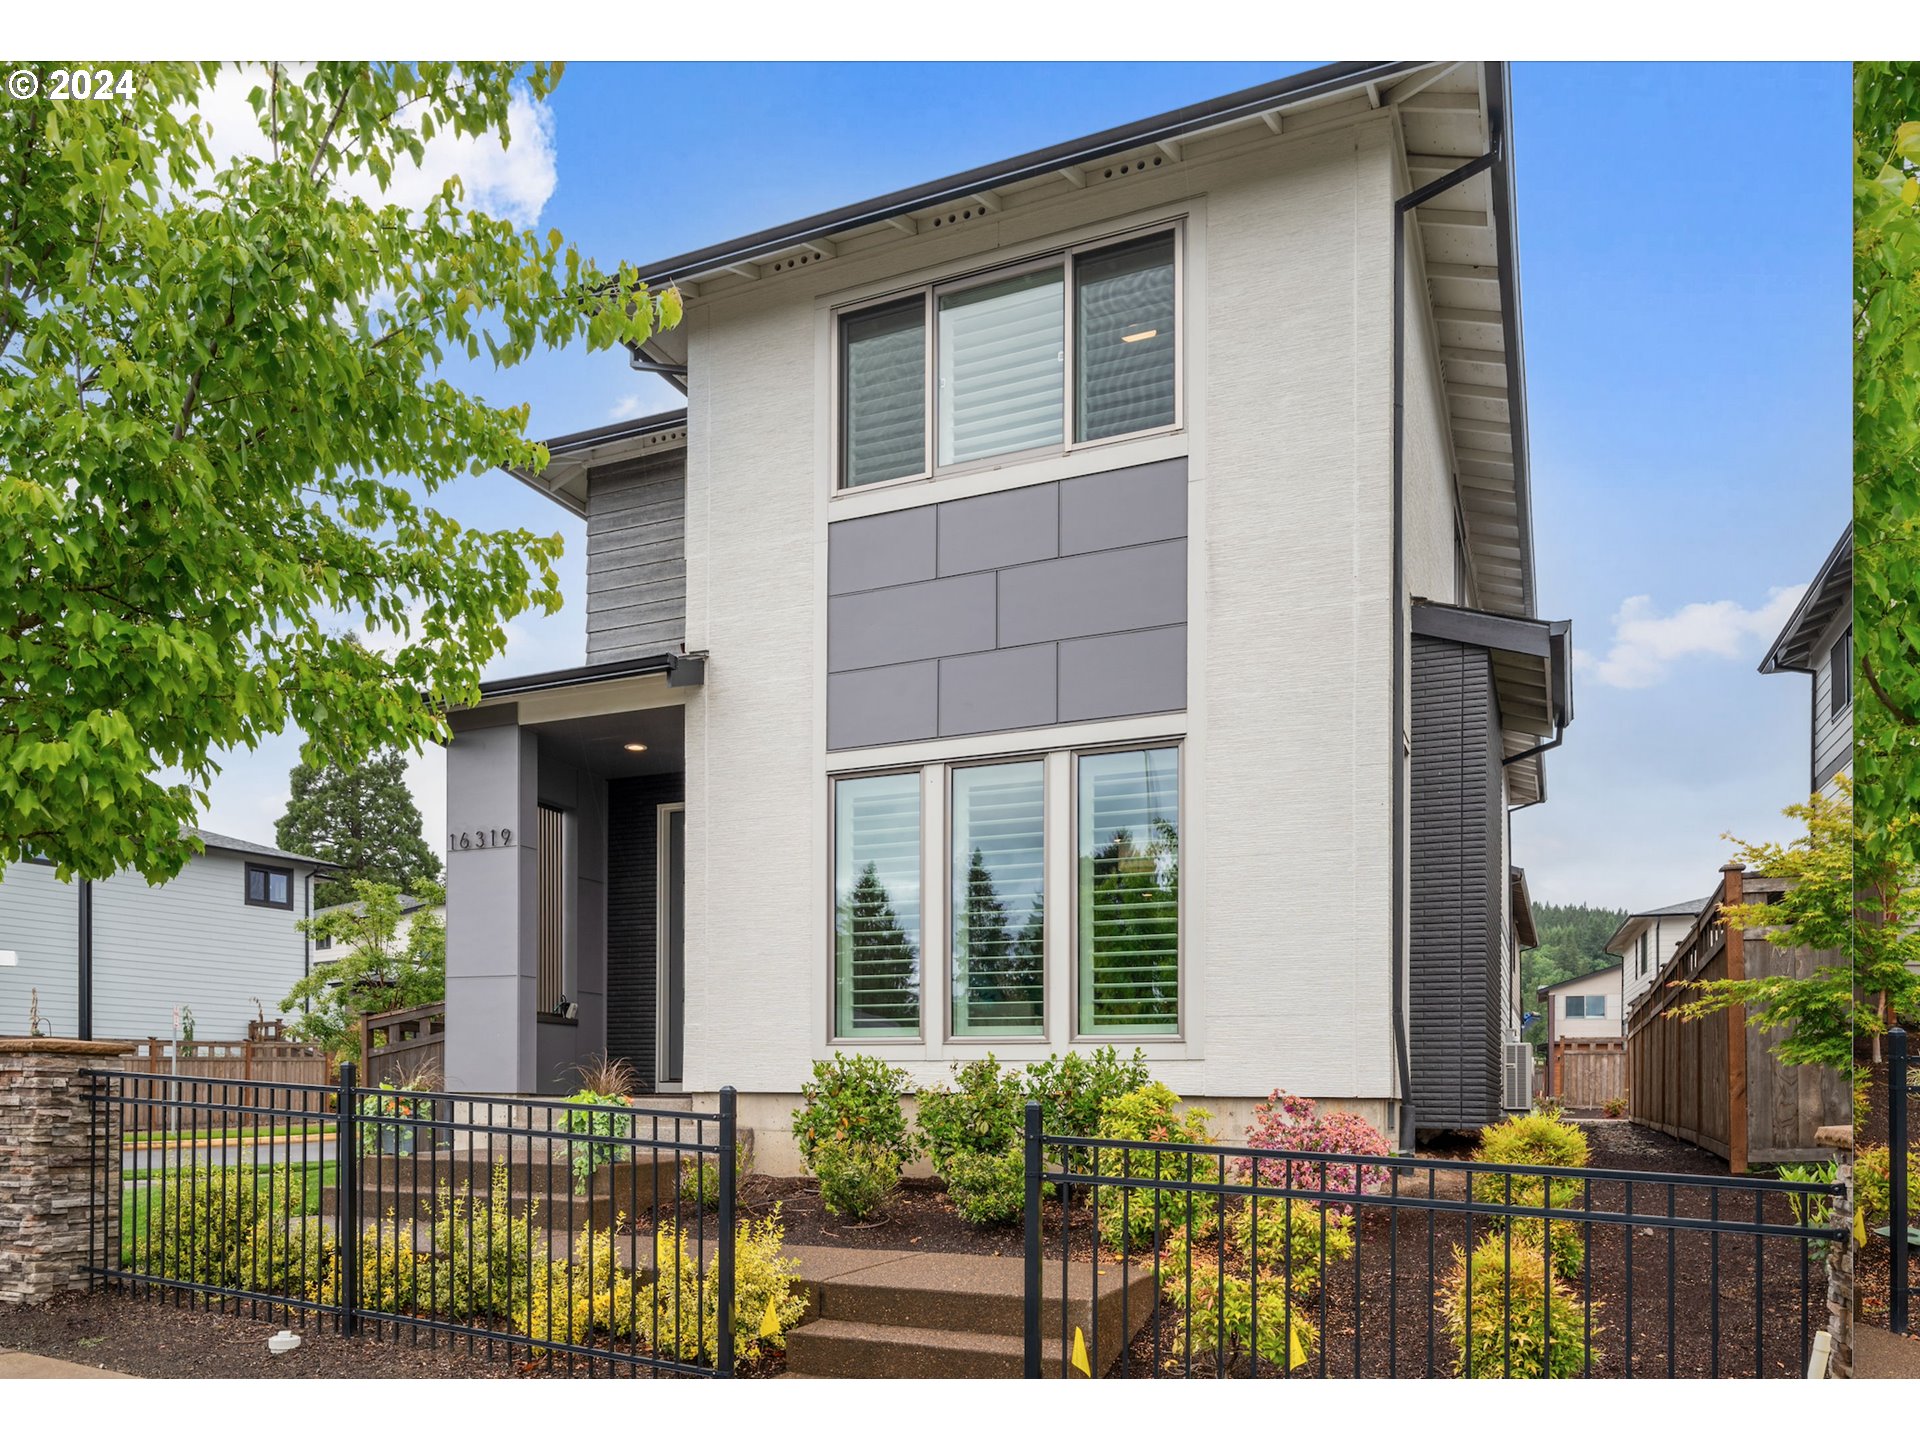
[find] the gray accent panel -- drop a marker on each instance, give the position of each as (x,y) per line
(991,531)
(1054,602)
(892,549)
(1135,506)
(998,690)
(910,622)
(1138,673)
(884,705)
(1458,948)
(1094,594)
(637,557)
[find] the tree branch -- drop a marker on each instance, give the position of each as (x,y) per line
(1900,713)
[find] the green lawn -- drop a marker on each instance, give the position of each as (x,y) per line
(137,1197)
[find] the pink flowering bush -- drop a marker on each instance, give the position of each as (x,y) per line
(1291,1122)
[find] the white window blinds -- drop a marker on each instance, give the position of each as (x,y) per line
(1129,891)
(877,905)
(1123,338)
(1001,365)
(884,380)
(999,951)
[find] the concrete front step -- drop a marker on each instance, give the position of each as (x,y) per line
(908,1314)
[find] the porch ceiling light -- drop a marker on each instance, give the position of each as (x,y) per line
(635,746)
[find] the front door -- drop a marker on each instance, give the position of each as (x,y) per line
(672,989)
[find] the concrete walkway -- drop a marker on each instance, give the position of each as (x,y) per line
(19,1365)
(1881,1355)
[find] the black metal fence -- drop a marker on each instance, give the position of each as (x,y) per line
(1900,1090)
(1167,1258)
(594,1238)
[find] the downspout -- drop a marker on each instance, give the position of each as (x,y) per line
(84,948)
(1398,732)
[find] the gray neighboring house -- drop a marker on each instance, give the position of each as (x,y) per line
(1087,599)
(112,958)
(1817,641)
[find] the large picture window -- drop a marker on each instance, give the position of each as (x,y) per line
(999,926)
(1006,375)
(1129,891)
(876,857)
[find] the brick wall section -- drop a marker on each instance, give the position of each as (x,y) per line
(46,1165)
(633,917)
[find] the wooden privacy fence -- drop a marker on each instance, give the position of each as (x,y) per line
(1716,1082)
(1588,1073)
(251,1067)
(399,1046)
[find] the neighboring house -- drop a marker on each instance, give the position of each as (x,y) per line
(1646,940)
(112,958)
(1085,600)
(1818,641)
(327,948)
(1587,1007)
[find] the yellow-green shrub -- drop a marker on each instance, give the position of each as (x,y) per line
(682,1306)
(1873,1182)
(1151,1113)
(197,1220)
(297,1257)
(1539,1138)
(1501,1327)
(488,1259)
(1218,1311)
(389,1268)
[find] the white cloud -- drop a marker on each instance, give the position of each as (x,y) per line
(626,407)
(1647,645)
(511,182)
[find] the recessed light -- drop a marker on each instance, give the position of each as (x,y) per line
(1138,335)
(635,746)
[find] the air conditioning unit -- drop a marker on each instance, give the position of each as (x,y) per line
(1518,1073)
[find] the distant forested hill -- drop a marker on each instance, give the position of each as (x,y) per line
(1571,937)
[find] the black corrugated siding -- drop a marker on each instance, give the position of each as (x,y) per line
(632,915)
(1455,952)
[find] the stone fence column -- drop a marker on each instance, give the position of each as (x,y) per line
(46,1164)
(1841,1301)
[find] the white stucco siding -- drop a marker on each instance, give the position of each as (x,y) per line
(39,922)
(1288,435)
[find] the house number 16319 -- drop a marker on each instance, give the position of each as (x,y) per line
(478,839)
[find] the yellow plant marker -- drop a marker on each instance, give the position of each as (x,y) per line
(770,1322)
(1296,1352)
(1859,1227)
(1080,1361)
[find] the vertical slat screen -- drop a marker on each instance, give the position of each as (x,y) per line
(551,884)
(1129,884)
(999,953)
(877,905)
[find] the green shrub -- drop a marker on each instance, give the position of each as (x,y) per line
(1151,1113)
(1500,1327)
(1539,1138)
(973,1135)
(854,1099)
(988,1189)
(588,1157)
(198,1219)
(1615,1107)
(700,1175)
(1218,1312)
(1074,1088)
(856,1176)
(296,1257)
(1873,1182)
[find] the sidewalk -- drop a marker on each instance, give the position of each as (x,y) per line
(1881,1355)
(19,1365)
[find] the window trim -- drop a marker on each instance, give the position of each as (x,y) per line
(246,885)
(1182,919)
(950,769)
(834,1037)
(1063,255)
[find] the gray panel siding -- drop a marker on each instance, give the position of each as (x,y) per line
(1053,602)
(1457,953)
(1832,734)
(637,557)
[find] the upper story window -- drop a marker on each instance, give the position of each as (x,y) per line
(270,885)
(1840,673)
(1586,1007)
(1644,950)
(1072,348)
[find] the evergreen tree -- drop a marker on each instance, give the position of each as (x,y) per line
(1136,922)
(362,820)
(1573,942)
(982,941)
(877,952)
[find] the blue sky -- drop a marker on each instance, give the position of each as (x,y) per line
(1685,258)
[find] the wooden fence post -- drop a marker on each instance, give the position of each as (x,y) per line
(1733,892)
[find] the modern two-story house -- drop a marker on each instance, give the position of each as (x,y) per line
(1645,941)
(1088,599)
(1817,641)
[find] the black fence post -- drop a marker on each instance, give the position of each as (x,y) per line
(1897,1176)
(346,1189)
(723,1342)
(1030,1323)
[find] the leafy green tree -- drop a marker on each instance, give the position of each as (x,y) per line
(1819,1016)
(208,370)
(378,968)
(361,819)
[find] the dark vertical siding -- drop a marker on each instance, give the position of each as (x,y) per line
(637,557)
(1458,945)
(632,916)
